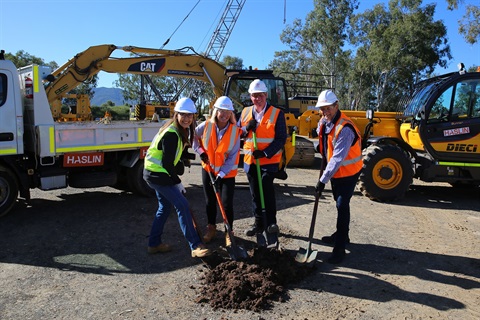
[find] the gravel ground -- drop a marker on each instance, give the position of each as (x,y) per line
(81,254)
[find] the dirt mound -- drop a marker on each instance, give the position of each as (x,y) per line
(253,284)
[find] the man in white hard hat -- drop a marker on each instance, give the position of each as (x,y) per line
(269,125)
(217,141)
(160,173)
(340,147)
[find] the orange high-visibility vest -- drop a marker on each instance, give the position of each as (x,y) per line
(352,164)
(218,151)
(265,133)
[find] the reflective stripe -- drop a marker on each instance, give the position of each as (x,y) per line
(51,139)
(458,164)
(101,147)
(153,158)
(8,151)
(350,161)
(338,127)
(36,79)
(208,133)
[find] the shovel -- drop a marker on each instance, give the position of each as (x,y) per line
(264,239)
(235,252)
(308,255)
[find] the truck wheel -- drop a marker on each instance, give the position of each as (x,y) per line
(8,191)
(136,182)
(387,173)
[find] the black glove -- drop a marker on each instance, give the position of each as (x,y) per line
(319,187)
(251,125)
(257,154)
(217,183)
(204,157)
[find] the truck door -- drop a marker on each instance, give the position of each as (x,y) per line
(9,122)
(452,130)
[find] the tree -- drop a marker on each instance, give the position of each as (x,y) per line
(317,48)
(232,62)
(22,59)
(397,47)
(469,25)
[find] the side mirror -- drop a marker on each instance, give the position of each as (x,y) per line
(369,114)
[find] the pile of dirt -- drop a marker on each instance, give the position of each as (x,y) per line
(252,284)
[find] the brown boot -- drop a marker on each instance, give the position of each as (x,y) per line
(162,247)
(211,232)
(201,251)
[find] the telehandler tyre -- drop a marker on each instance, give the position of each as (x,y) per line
(387,173)
(8,190)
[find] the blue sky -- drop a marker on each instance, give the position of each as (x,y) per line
(56,30)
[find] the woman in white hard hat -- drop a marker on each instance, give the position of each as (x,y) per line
(217,141)
(162,156)
(340,146)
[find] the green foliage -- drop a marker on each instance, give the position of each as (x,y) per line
(375,56)
(469,25)
(232,62)
(22,59)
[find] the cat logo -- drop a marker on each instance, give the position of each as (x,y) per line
(461,147)
(150,65)
(147,66)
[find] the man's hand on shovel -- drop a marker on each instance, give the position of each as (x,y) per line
(319,187)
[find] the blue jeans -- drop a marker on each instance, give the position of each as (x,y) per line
(168,196)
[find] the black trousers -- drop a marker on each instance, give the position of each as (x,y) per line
(268,195)
(342,189)
(226,191)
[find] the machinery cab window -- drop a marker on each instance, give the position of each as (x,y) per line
(458,102)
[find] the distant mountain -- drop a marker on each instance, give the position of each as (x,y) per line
(102,95)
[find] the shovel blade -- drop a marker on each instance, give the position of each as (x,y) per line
(306,255)
(237,253)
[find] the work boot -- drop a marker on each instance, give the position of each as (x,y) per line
(228,241)
(337,256)
(331,239)
(253,230)
(273,228)
(201,251)
(162,247)
(211,232)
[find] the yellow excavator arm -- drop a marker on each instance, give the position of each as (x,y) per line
(152,62)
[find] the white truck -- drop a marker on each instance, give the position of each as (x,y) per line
(38,152)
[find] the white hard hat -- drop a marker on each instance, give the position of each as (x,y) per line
(185,105)
(326,98)
(257,85)
(224,103)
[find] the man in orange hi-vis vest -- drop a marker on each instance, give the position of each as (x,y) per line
(268,123)
(340,146)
